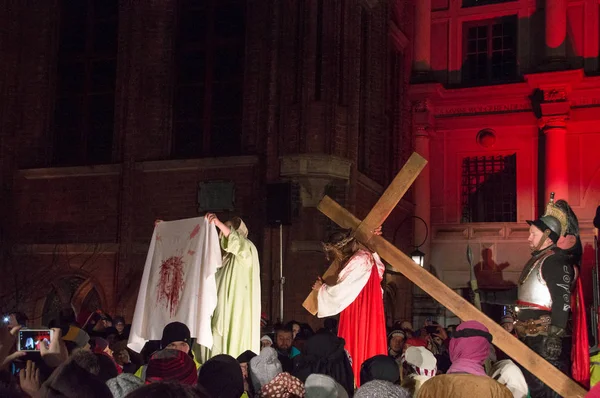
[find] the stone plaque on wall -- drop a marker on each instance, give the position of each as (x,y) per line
(216,196)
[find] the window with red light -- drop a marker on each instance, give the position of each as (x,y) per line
(489,189)
(86,76)
(490,51)
(473,3)
(209,67)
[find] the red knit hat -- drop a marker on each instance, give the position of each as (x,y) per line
(416,342)
(171,365)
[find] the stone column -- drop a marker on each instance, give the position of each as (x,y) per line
(423,305)
(422,189)
(556,30)
(422,41)
(555,164)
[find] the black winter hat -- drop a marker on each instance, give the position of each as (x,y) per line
(175,331)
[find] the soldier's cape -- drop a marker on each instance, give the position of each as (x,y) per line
(580,358)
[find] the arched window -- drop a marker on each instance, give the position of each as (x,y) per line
(70,292)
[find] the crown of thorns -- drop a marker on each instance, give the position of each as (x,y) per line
(340,244)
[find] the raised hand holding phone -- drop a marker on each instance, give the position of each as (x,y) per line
(55,353)
(30,340)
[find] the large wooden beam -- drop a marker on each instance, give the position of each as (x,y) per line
(382,209)
(522,354)
(390,198)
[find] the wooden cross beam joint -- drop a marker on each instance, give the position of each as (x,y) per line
(363,231)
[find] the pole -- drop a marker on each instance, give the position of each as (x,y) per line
(473,281)
(281,277)
(596,291)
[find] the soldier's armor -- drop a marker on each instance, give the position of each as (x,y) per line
(533,292)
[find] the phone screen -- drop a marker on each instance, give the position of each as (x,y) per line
(31,339)
(431,329)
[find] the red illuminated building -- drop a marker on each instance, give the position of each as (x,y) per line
(507,113)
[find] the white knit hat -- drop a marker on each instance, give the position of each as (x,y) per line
(123,384)
(323,386)
(266,338)
(264,367)
(421,360)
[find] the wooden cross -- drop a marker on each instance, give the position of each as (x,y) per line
(363,231)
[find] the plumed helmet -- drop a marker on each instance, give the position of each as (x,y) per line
(572,222)
(548,223)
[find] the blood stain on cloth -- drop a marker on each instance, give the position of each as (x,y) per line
(195,231)
(171,283)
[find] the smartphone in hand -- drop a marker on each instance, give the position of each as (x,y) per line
(30,340)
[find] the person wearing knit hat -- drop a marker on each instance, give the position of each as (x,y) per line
(169,364)
(245,356)
(325,354)
(508,323)
(264,367)
(123,384)
(176,336)
(108,367)
(266,341)
(381,388)
(284,385)
(70,380)
(323,386)
(414,342)
(263,320)
(420,361)
(222,377)
(396,341)
(380,367)
(419,365)
(122,328)
(78,337)
(100,346)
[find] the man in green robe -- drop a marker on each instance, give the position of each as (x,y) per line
(236,320)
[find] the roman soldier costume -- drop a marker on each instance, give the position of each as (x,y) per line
(544,299)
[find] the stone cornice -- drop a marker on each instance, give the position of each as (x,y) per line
(71,248)
(198,164)
(69,172)
(315,165)
(563,80)
(147,167)
(488,232)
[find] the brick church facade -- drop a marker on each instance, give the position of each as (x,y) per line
(117,113)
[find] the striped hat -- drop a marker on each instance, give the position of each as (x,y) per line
(421,361)
(171,365)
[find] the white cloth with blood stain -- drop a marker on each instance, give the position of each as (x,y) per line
(178,283)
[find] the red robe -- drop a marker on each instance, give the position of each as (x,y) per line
(362,325)
(358,299)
